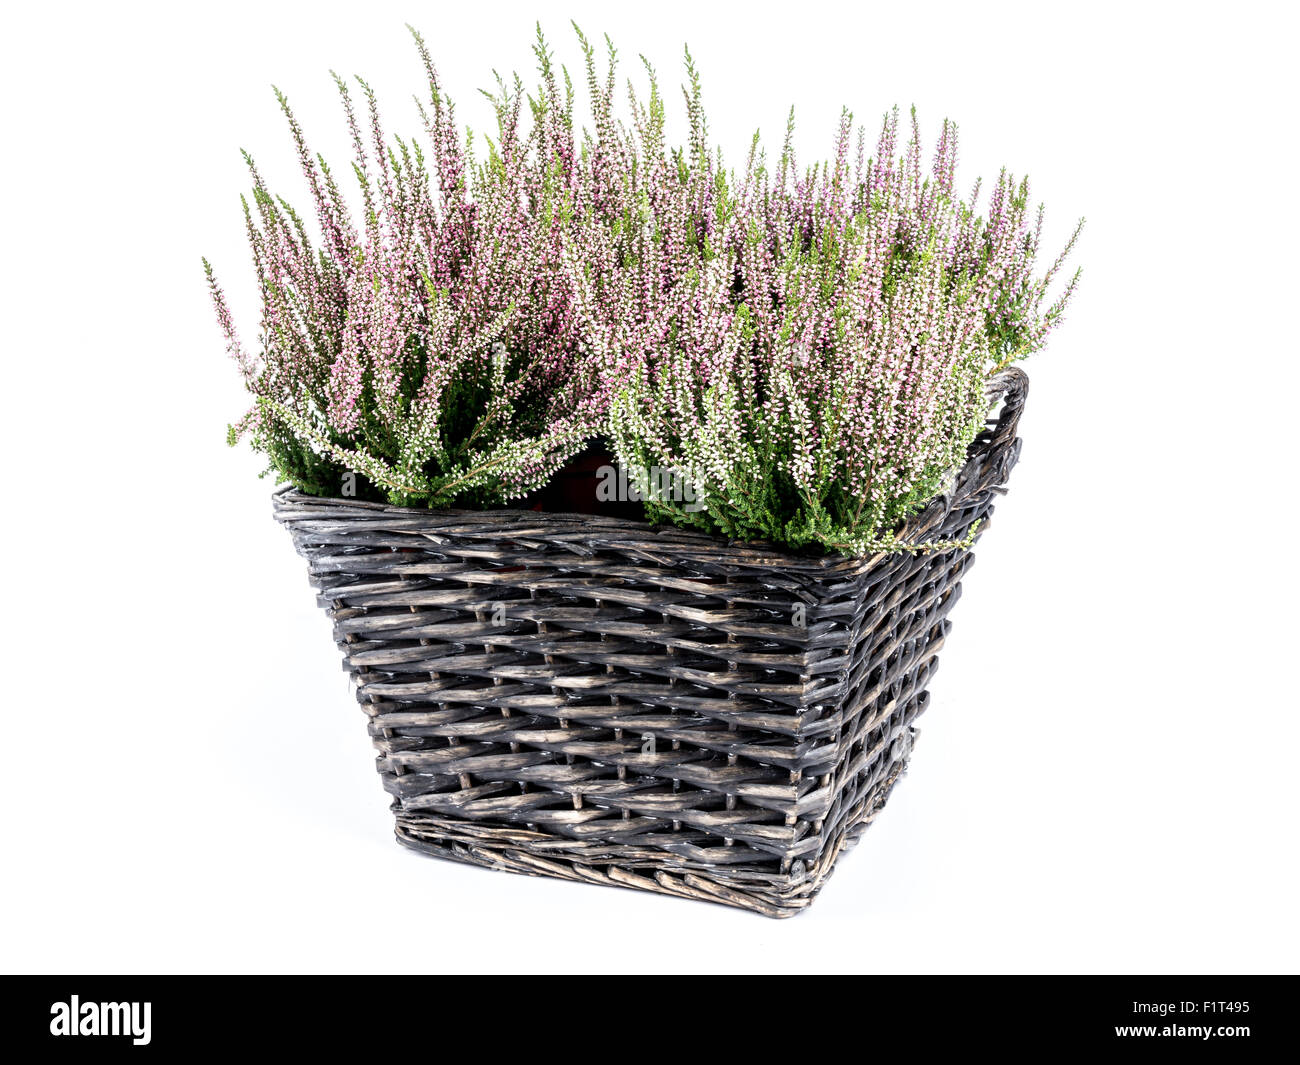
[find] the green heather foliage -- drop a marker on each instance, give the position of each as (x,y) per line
(807,349)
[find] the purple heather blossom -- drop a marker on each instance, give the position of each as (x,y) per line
(808,348)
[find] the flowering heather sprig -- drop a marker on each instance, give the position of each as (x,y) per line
(434,349)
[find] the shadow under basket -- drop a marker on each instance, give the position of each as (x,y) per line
(600,700)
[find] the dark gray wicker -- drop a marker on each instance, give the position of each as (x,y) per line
(600,700)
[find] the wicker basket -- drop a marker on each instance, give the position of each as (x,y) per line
(601,700)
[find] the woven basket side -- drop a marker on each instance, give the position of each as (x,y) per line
(900,630)
(633,707)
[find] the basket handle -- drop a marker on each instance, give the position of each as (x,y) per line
(1011,387)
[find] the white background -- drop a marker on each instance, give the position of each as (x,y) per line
(1106,779)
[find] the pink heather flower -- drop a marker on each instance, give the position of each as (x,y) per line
(808,346)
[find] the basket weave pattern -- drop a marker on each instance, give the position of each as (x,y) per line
(600,700)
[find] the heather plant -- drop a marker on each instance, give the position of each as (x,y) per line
(427,353)
(807,349)
(810,349)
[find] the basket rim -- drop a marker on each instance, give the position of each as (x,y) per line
(292,505)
